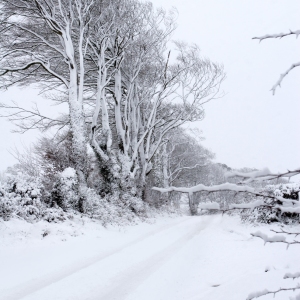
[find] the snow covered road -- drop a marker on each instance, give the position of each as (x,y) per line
(208,257)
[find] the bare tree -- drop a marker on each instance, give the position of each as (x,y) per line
(44,42)
(142,96)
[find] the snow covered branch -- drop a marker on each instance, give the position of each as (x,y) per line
(231,187)
(274,239)
(278,83)
(277,202)
(203,188)
(292,275)
(266,292)
(280,35)
(277,35)
(262,175)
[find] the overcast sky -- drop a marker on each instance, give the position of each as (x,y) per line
(248,127)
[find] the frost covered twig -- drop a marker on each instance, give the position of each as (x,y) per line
(266,292)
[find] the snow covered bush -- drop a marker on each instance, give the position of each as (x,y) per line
(55,215)
(115,208)
(287,191)
(65,191)
(20,196)
(23,196)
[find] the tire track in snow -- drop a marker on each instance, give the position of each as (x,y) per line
(130,280)
(34,285)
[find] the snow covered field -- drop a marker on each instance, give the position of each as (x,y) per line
(194,258)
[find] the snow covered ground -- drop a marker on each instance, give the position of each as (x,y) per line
(194,258)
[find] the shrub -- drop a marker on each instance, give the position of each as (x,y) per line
(114,209)
(20,196)
(65,191)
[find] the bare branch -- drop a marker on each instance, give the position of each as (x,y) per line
(46,66)
(27,119)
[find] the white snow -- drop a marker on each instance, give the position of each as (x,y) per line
(295,298)
(250,205)
(209,205)
(180,258)
(68,173)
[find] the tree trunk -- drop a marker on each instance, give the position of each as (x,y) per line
(79,147)
(165,172)
(192,205)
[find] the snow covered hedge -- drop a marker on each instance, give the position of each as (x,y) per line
(288,191)
(25,197)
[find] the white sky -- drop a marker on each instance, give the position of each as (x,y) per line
(248,127)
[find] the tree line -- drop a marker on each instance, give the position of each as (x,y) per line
(128,95)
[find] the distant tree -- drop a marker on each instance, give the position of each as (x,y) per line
(180,160)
